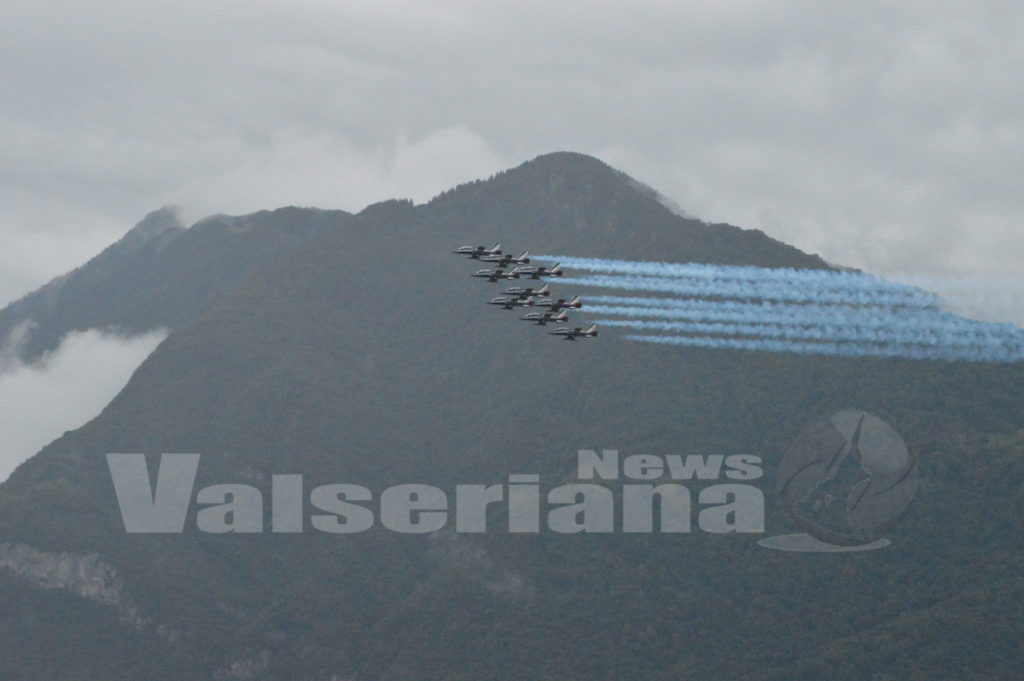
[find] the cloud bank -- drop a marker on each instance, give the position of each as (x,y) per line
(64,390)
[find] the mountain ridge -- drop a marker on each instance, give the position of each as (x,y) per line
(365,354)
(165,274)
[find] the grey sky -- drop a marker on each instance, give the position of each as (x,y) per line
(879,134)
(885,135)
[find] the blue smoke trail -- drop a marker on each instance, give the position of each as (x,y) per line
(811,311)
(766,305)
(770,289)
(987,298)
(894,351)
(875,324)
(978,344)
(827,279)
(847,314)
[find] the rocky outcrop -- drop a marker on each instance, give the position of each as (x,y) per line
(83,574)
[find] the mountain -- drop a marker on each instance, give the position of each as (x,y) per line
(160,275)
(354,349)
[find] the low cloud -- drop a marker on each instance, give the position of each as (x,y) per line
(880,135)
(64,390)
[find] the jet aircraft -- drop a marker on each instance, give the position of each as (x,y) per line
(475,252)
(559,304)
(509,302)
(527,292)
(542,318)
(572,334)
(541,271)
(493,275)
(507,259)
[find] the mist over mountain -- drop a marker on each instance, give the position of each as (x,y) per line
(355,348)
(159,275)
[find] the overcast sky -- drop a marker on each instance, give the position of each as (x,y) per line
(880,134)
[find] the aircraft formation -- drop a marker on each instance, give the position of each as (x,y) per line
(556,310)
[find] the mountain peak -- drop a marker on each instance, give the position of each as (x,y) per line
(568,202)
(568,160)
(155,224)
(570,168)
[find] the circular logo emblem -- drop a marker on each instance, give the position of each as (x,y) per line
(847,479)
